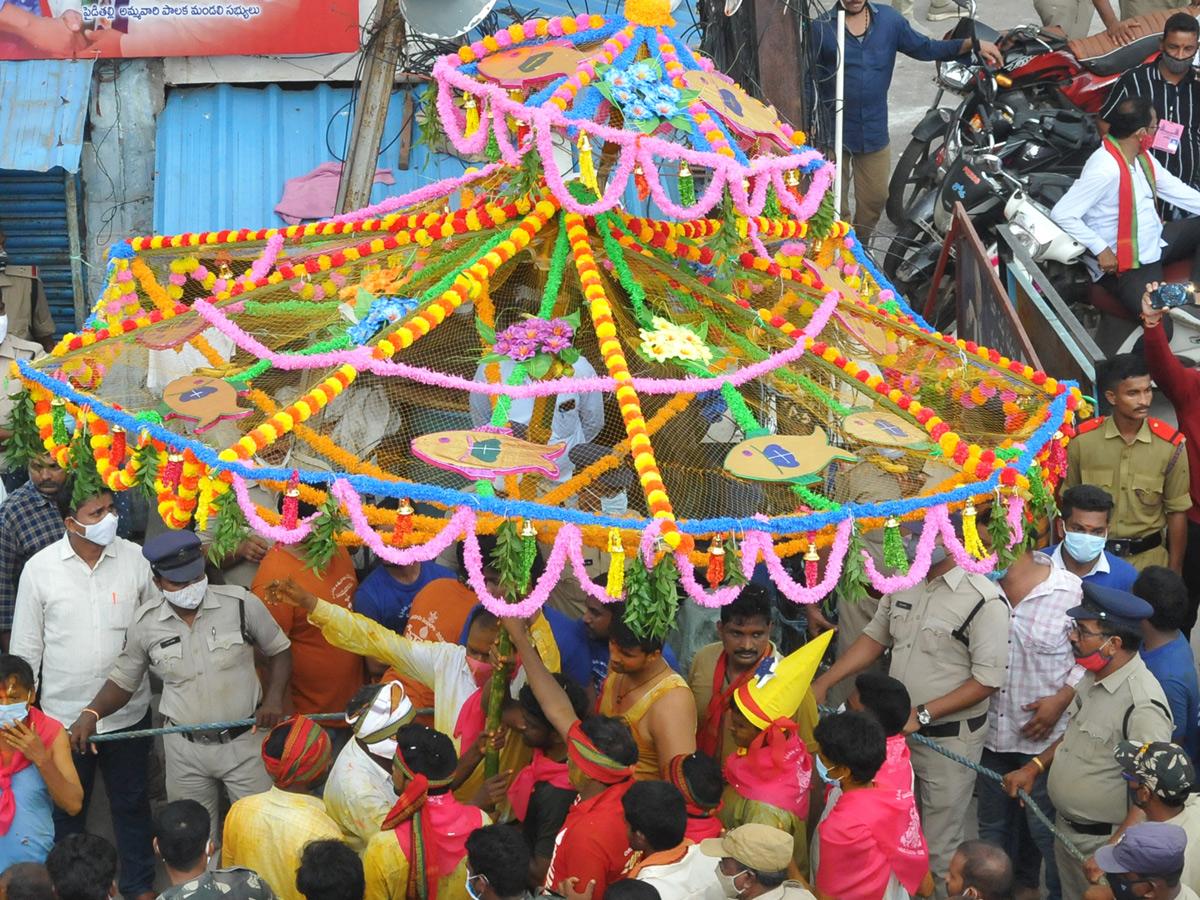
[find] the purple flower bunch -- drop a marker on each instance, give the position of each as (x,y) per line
(524,340)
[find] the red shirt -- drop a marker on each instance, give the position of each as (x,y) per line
(1182,387)
(592,845)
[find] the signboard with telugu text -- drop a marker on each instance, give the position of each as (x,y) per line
(68,29)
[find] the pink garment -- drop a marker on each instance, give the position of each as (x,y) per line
(314,196)
(776,769)
(896,773)
(868,835)
(542,768)
(471,720)
(447,825)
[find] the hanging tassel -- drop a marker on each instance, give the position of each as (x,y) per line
(639,180)
(514,125)
(472,111)
(971,542)
(172,471)
(492,150)
(716,563)
(893,546)
(587,166)
(291,501)
(204,503)
(116,453)
(811,560)
(616,564)
(1056,461)
(791,180)
(771,207)
(528,552)
(58,413)
(687,187)
(403,528)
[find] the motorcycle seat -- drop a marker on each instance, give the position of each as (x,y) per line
(1101,56)
(1107,303)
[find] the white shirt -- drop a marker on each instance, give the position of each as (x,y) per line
(1088,211)
(1100,566)
(358,794)
(70,622)
(692,878)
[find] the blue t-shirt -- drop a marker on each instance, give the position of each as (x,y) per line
(1120,575)
(1174,667)
(382,598)
(572,643)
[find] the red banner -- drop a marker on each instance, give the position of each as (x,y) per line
(66,29)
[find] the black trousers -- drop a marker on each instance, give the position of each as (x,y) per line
(1183,242)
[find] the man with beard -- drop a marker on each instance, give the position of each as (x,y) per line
(30,520)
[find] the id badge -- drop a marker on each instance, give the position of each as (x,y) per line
(1167,137)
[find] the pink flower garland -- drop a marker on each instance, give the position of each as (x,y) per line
(277,533)
(473,560)
(432,191)
(1016,529)
(456,525)
(263,265)
(721,596)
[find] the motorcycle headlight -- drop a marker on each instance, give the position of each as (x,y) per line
(954,76)
(1023,236)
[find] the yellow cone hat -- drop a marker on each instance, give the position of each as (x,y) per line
(777,688)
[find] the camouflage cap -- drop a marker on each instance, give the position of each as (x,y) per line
(1164,768)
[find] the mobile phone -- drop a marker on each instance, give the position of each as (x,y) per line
(1166,296)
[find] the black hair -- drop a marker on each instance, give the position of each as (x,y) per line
(769,879)
(886,699)
(627,639)
(612,737)
(632,889)
(362,700)
(276,742)
(26,881)
(11,664)
(987,868)
(656,809)
(182,833)
(330,870)
(704,779)
(427,752)
(1130,635)
(1086,497)
(499,854)
(82,867)
(482,616)
(575,694)
(67,503)
(752,603)
(1124,366)
(1131,114)
(1181,22)
(487,548)
(1165,592)
(854,740)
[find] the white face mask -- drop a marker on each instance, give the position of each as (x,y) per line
(615,506)
(728,888)
(3,327)
(103,532)
(12,713)
(189,597)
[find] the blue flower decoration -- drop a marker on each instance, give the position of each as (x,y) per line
(638,111)
(664,109)
(385,310)
(668,92)
(624,96)
(644,73)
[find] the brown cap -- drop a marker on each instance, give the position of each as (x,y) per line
(757,846)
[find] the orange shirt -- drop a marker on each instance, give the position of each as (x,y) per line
(439,613)
(324,678)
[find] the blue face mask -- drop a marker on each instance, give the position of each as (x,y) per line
(823,770)
(996,574)
(1083,548)
(615,506)
(11,713)
(470,890)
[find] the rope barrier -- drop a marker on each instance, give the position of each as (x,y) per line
(212,726)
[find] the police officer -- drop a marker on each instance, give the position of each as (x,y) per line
(28,313)
(200,640)
(1116,700)
(1142,463)
(949,641)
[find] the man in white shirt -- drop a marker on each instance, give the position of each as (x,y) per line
(656,823)
(1111,208)
(1086,510)
(75,600)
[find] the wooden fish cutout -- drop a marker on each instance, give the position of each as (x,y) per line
(204,400)
(886,429)
(797,459)
(487,454)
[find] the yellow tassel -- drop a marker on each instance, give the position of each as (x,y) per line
(587,168)
(971,542)
(616,566)
(472,115)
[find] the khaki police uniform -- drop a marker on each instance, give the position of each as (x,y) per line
(207,671)
(1085,782)
(25,303)
(1148,479)
(937,645)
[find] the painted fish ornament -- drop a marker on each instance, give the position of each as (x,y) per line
(202,399)
(487,454)
(884,428)
(794,458)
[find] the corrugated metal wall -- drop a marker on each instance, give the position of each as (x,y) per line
(34,216)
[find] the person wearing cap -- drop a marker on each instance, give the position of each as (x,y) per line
(591,851)
(656,825)
(267,832)
(1167,652)
(420,851)
(769,776)
(1161,779)
(359,793)
(200,640)
(752,862)
(1083,532)
(1146,863)
(949,641)
(76,599)
(1117,699)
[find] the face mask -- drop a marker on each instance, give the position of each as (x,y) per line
(615,506)
(727,886)
(996,574)
(822,770)
(937,555)
(1094,661)
(103,532)
(481,671)
(12,713)
(470,890)
(1175,66)
(282,464)
(1122,889)
(1084,547)
(1132,793)
(189,597)
(1145,143)
(3,327)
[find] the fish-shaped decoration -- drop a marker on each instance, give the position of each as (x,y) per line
(202,399)
(795,458)
(885,428)
(487,454)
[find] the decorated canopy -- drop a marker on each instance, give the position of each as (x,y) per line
(713,378)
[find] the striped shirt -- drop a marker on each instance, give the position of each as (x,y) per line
(29,522)
(1179,103)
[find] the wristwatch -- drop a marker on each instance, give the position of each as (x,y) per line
(923,716)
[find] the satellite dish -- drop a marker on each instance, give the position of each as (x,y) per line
(444,19)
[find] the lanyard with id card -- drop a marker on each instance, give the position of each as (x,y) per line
(1167,137)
